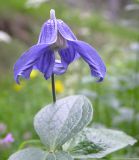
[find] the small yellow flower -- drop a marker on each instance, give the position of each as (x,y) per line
(33,74)
(17,87)
(59,87)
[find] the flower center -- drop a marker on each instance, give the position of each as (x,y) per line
(60,42)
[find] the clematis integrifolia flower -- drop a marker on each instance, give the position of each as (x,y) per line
(57,37)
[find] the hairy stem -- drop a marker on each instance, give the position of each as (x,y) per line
(53,88)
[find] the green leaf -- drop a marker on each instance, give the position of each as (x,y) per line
(59,156)
(97,143)
(59,122)
(29,154)
(33,142)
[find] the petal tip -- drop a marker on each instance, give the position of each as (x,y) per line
(16,77)
(17,81)
(100,79)
(46,76)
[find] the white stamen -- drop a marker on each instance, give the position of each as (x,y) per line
(60,42)
(52,14)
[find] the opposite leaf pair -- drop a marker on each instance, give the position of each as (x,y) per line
(61,128)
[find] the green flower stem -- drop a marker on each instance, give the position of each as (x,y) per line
(53,88)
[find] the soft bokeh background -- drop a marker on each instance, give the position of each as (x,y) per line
(111,26)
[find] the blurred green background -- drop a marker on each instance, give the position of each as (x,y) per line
(111,26)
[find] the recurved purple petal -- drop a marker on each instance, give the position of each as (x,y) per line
(25,63)
(65,31)
(45,64)
(68,54)
(48,34)
(90,55)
